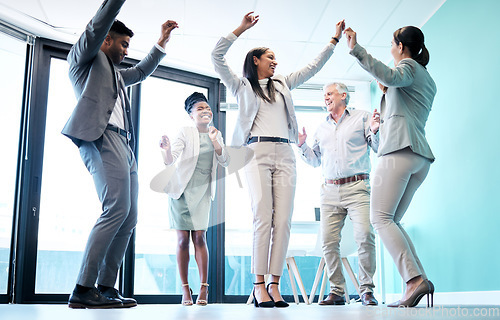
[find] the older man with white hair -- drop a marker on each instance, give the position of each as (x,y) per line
(341,146)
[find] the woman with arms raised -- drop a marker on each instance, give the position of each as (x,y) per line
(267,124)
(405,155)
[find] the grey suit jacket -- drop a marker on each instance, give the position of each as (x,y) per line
(94,77)
(406,105)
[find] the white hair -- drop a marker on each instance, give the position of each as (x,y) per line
(341,88)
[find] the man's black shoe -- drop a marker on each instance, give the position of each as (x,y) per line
(367,299)
(92,299)
(332,300)
(112,293)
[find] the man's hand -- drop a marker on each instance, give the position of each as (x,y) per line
(302,137)
(166,29)
(375,121)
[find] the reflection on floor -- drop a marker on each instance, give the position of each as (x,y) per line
(247,312)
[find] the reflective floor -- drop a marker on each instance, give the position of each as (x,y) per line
(244,312)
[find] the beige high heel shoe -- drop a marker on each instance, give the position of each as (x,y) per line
(202,302)
(187,302)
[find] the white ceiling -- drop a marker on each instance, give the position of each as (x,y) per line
(296,30)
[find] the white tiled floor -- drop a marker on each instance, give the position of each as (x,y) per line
(247,312)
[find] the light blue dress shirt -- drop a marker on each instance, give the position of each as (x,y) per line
(342,148)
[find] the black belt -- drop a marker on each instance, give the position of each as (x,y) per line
(124,133)
(267,139)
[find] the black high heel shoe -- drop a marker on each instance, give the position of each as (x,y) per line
(277,304)
(424,288)
(265,304)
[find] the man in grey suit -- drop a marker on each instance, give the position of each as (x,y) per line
(101,127)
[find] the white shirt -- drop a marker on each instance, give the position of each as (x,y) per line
(271,120)
(117,117)
(342,148)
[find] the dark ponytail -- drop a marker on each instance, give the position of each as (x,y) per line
(423,57)
(413,38)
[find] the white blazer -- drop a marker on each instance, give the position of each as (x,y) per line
(185,152)
(249,102)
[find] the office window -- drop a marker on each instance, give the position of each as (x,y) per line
(12,61)
(69,206)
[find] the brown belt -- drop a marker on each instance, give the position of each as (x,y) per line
(348,179)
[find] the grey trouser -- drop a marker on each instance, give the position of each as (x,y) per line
(338,201)
(271,178)
(397,176)
(114,170)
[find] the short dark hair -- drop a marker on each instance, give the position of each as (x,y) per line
(120,28)
(194,98)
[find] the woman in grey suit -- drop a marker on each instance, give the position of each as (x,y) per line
(405,156)
(267,124)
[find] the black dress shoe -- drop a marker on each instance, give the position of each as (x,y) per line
(92,299)
(277,304)
(367,299)
(113,293)
(332,300)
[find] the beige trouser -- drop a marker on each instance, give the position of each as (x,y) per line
(338,201)
(397,177)
(271,178)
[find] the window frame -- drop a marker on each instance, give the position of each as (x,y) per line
(28,39)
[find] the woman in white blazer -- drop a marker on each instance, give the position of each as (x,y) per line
(196,152)
(267,124)
(405,155)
